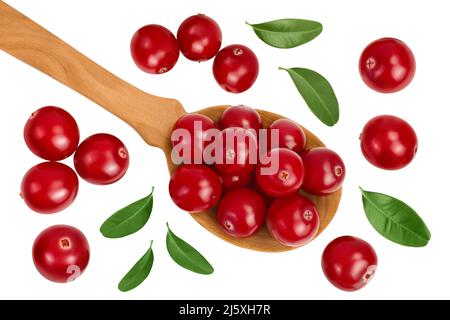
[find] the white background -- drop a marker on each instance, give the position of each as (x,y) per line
(102,31)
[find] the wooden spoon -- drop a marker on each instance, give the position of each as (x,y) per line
(151,116)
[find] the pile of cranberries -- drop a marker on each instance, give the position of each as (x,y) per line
(156,50)
(253,187)
(61,253)
(52,134)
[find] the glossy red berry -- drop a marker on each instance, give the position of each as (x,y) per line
(388,142)
(293,221)
(387,65)
(241,116)
(282,175)
(239,153)
(199,38)
(61,253)
(324,171)
(154,49)
(51,133)
(268,198)
(290,135)
(234,181)
(101,159)
(241,212)
(349,263)
(236,68)
(195,188)
(197,125)
(49,187)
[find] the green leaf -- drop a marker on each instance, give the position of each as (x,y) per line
(128,220)
(185,255)
(317,93)
(395,220)
(287,33)
(139,272)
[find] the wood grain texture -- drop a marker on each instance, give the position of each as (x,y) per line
(151,116)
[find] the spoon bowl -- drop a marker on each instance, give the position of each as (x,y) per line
(151,116)
(263,240)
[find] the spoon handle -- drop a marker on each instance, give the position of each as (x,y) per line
(151,116)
